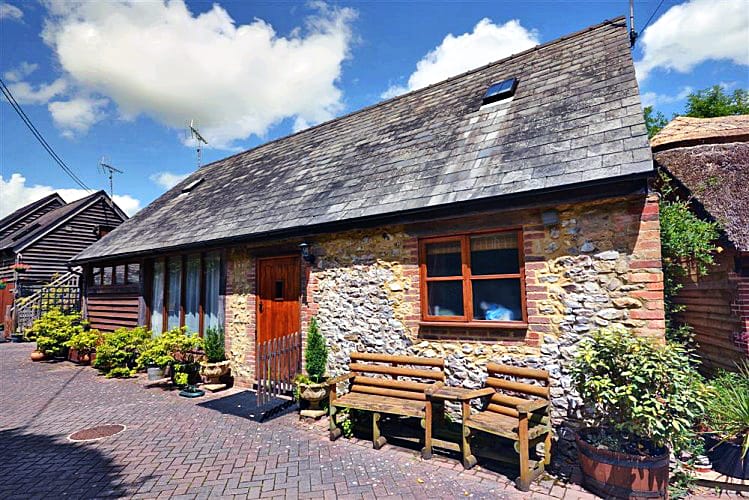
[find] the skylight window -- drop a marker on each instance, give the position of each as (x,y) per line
(501,90)
(192,185)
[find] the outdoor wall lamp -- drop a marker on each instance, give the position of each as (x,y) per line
(306,256)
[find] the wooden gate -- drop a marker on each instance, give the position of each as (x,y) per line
(279,360)
(278,356)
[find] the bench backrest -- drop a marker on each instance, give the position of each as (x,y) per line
(511,392)
(378,374)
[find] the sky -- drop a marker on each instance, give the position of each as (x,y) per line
(120,81)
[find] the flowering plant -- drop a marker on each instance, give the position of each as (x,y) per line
(20,267)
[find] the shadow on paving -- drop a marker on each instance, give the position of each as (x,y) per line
(38,465)
(244,405)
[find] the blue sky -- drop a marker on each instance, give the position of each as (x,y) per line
(107,79)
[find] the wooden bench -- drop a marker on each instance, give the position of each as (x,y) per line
(386,393)
(513,410)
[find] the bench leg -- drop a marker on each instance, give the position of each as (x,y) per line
(335,431)
(469,460)
(426,423)
(523,483)
(547,448)
(378,441)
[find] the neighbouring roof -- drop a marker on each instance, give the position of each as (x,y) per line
(16,241)
(575,117)
(27,211)
(688,131)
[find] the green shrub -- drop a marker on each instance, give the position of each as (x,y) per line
(316,355)
(640,389)
(53,330)
(171,346)
(85,342)
(728,407)
(119,350)
(214,345)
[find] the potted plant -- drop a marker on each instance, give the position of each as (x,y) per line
(3,284)
(642,398)
(215,364)
(727,418)
(154,358)
(186,351)
(82,346)
(20,267)
(53,330)
(118,351)
(312,388)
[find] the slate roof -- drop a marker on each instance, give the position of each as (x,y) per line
(715,170)
(26,210)
(28,233)
(575,117)
(688,131)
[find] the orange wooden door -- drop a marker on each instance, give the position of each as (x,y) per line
(278,297)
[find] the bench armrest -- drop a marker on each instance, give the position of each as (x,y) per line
(340,378)
(532,406)
(433,388)
(478,393)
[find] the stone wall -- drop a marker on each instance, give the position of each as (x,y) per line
(600,266)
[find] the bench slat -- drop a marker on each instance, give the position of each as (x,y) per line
(382,404)
(401,360)
(405,385)
(394,393)
(517,371)
(498,383)
(397,371)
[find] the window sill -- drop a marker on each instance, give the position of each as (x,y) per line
(496,325)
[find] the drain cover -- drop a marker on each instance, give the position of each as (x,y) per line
(98,432)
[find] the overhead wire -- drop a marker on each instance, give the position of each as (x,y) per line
(39,137)
(642,30)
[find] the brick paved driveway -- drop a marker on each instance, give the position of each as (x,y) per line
(173,447)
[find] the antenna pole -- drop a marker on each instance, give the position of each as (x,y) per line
(632,32)
(110,172)
(198,140)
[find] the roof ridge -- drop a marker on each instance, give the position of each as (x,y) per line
(544,45)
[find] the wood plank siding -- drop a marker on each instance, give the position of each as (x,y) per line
(30,217)
(110,311)
(709,310)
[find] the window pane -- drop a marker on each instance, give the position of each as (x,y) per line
(192,293)
(97,276)
(443,259)
(445,298)
(494,254)
(133,274)
(212,318)
(107,280)
(119,275)
(497,300)
(175,293)
(157,298)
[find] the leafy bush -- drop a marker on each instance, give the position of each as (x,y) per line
(316,355)
(53,330)
(639,389)
(728,407)
(169,347)
(85,342)
(214,345)
(116,355)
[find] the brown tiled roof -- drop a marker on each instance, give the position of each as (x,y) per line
(575,117)
(717,175)
(687,131)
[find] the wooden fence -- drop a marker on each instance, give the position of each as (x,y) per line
(278,360)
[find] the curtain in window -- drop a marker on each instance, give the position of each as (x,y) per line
(157,298)
(212,317)
(175,293)
(192,293)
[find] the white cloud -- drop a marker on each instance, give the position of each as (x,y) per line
(22,71)
(488,42)
(158,59)
(77,115)
(654,99)
(167,180)
(693,32)
(8,11)
(25,93)
(16,193)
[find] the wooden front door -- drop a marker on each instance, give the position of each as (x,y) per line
(279,341)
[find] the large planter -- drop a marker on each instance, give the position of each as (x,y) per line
(619,475)
(726,457)
(313,394)
(76,357)
(212,372)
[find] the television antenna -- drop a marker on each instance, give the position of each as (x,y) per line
(109,170)
(195,135)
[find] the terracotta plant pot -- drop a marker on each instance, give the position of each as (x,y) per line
(77,357)
(212,372)
(726,457)
(37,355)
(619,475)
